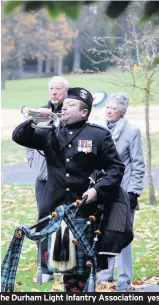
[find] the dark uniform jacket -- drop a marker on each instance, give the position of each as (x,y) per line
(70,165)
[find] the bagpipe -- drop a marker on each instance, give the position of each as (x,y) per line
(66,213)
(111,228)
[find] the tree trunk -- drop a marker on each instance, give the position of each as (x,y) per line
(20,66)
(3,77)
(55,65)
(39,66)
(76,59)
(59,65)
(137,53)
(152,198)
(3,83)
(48,66)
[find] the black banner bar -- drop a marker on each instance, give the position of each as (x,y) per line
(133,298)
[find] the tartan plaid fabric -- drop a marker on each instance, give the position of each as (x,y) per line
(10,262)
(74,225)
(81,253)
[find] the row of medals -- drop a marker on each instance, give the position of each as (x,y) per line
(85,146)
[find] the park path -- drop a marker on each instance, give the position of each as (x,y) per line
(23,174)
(12,117)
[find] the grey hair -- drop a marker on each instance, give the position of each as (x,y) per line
(60,79)
(122,99)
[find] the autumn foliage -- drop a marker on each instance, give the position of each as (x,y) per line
(34,35)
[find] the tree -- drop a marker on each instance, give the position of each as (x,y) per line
(52,41)
(7,48)
(85,23)
(135,51)
(113,9)
(89,24)
(61,42)
(34,35)
(16,30)
(150,67)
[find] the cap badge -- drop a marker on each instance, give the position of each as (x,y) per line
(83,94)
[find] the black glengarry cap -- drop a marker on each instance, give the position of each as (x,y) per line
(81,94)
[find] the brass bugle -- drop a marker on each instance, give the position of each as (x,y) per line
(38,117)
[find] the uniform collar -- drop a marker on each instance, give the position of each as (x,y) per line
(75,126)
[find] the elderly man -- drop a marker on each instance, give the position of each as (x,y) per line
(72,153)
(127,139)
(58,87)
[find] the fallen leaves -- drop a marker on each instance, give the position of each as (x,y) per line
(57,284)
(29,267)
(8,200)
(18,284)
(34,290)
(140,230)
(9,222)
(145,260)
(19,207)
(57,288)
(137,282)
(106,287)
(145,282)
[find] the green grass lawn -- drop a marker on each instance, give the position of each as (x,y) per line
(146,241)
(19,207)
(34,92)
(154,148)
(14,154)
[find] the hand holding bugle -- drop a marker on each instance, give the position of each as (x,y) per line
(40,115)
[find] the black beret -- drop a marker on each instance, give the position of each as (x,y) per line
(81,94)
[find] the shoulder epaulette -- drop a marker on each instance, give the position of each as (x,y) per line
(97,126)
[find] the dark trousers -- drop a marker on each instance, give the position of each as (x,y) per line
(39,191)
